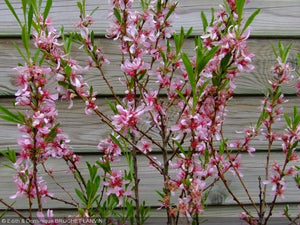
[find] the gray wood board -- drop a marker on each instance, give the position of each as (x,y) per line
(85,132)
(150,181)
(249,83)
(277,18)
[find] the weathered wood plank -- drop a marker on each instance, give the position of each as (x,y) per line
(253,83)
(150,181)
(277,18)
(85,132)
(226,215)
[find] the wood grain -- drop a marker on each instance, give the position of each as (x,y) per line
(251,83)
(226,215)
(150,181)
(85,132)
(277,18)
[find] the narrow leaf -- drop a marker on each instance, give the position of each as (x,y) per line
(189,69)
(240,7)
(80,196)
(19,51)
(11,8)
(47,9)
(94,10)
(29,19)
(250,19)
(204,21)
(117,15)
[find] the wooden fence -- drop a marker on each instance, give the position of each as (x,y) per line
(278,20)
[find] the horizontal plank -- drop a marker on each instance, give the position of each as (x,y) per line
(150,181)
(277,18)
(85,132)
(253,83)
(227,215)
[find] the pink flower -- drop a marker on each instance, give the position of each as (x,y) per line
(127,118)
(115,185)
(133,68)
(110,150)
(48,220)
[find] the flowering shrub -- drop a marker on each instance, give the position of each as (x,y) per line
(195,153)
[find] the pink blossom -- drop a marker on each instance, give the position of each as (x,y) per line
(115,185)
(128,118)
(110,150)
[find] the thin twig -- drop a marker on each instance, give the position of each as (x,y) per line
(14,210)
(62,200)
(59,185)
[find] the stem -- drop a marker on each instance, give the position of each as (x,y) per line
(109,85)
(103,188)
(224,180)
(136,184)
(62,200)
(14,210)
(104,119)
(166,165)
(38,196)
(75,177)
(59,185)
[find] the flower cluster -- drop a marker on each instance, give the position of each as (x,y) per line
(69,74)
(42,137)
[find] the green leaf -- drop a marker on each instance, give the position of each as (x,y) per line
(36,55)
(281,48)
(104,165)
(9,116)
(7,209)
(229,12)
(189,69)
(274,50)
(206,58)
(9,119)
(81,196)
(189,32)
(204,21)
(285,55)
(171,10)
(12,10)
(68,70)
(10,155)
(112,106)
(94,10)
(52,134)
(180,147)
(161,194)
(295,111)
(64,84)
(222,146)
(117,15)
(26,40)
(225,61)
(250,19)
(212,15)
(19,51)
(287,119)
(158,6)
(116,141)
(182,96)
(69,43)
(79,5)
(47,9)
(29,19)
(240,8)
